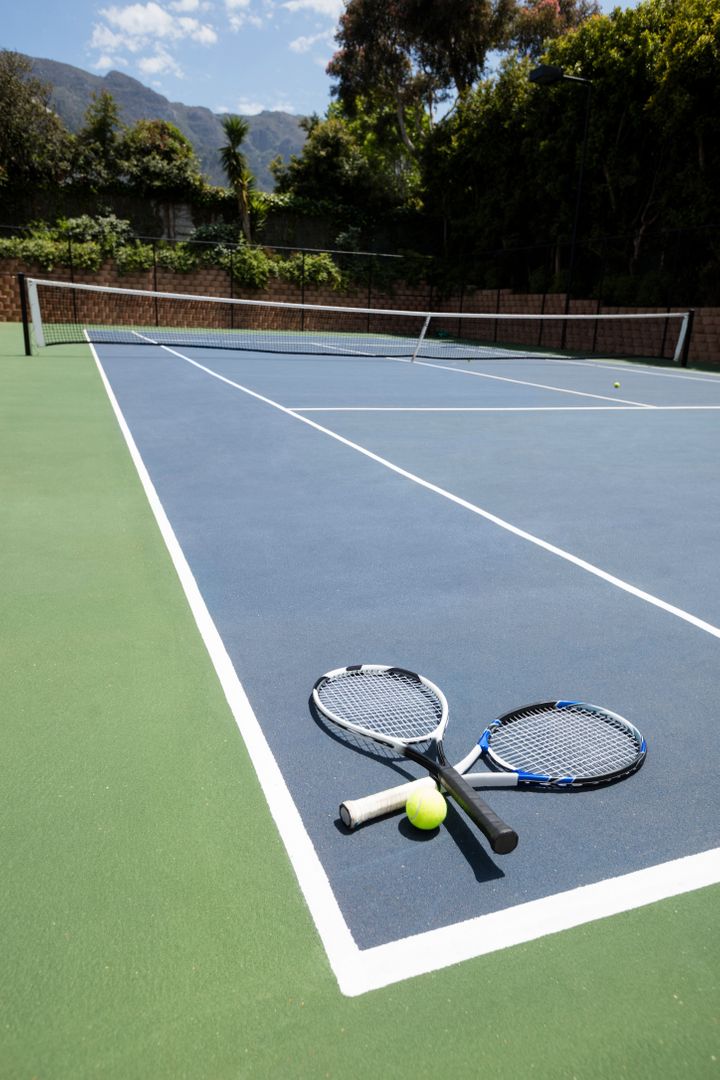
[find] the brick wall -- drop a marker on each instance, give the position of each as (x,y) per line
(647,337)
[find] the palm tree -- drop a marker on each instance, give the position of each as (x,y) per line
(233,161)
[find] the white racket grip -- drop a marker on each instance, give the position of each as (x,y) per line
(355,812)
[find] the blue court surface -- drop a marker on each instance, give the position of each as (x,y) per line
(517,532)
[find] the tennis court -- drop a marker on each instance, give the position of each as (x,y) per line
(199,533)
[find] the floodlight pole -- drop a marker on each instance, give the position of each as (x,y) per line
(546,75)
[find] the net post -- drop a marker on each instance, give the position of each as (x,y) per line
(24,314)
(421,338)
(682,352)
(35,311)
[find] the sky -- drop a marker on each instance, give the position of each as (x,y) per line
(239,56)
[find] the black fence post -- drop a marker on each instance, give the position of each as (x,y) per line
(157,307)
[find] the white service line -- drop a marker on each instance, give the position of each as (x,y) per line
(538,386)
(361,970)
(496,408)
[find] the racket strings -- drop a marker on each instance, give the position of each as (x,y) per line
(387,703)
(569,741)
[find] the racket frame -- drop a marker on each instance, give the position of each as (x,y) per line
(355,812)
(501,837)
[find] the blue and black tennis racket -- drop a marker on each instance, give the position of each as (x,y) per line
(550,744)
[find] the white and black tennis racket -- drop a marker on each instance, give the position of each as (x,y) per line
(554,744)
(403,710)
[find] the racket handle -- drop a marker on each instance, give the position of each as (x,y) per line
(501,837)
(356,812)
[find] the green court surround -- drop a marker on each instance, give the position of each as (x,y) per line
(151,922)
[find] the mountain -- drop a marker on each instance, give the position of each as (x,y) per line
(271,134)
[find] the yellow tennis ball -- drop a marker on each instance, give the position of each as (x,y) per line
(616,385)
(426,809)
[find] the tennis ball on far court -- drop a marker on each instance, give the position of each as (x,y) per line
(426,809)
(616,385)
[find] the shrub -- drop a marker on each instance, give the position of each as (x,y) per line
(311,269)
(108,230)
(219,233)
(134,257)
(49,253)
(178,257)
(249,266)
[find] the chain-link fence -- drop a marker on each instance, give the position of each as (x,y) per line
(669,268)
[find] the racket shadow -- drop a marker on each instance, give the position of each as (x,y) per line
(465,839)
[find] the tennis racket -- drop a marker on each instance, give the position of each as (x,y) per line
(403,710)
(555,744)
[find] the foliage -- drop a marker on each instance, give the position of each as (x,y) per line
(35,148)
(182,258)
(48,253)
(311,270)
(250,267)
(276,201)
(539,21)
(408,55)
(220,232)
(331,161)
(653,154)
(134,258)
(97,147)
(359,161)
(157,158)
(499,171)
(108,230)
(233,161)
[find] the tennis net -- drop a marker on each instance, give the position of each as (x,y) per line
(64,312)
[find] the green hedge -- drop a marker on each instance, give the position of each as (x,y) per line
(249,266)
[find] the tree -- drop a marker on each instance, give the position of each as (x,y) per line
(157,160)
(332,167)
(355,162)
(35,147)
(503,167)
(98,143)
(473,176)
(240,178)
(409,55)
(539,21)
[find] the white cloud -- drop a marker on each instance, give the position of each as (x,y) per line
(200,32)
(138,27)
(161,63)
(249,108)
(331,8)
(105,62)
(106,39)
(239,14)
(141,20)
(305,44)
(152,30)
